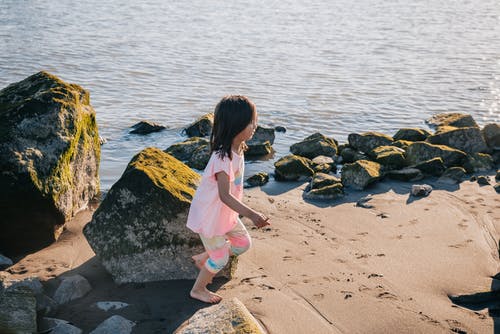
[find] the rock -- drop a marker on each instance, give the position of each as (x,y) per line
(496,157)
(45,305)
(491,134)
(497,176)
(350,155)
(5,262)
(321,180)
(31,283)
(363,202)
(457,120)
(146,127)
(483,180)
(419,190)
(324,164)
(411,134)
(262,135)
(114,324)
(497,187)
(71,288)
(229,316)
(478,162)
(280,129)
(17,311)
(257,180)
(402,144)
(360,174)
(389,156)
(434,166)
(184,150)
(421,151)
(315,145)
(293,167)
(58,326)
(49,157)
(453,175)
(468,140)
(367,141)
(330,192)
(199,158)
(141,223)
(260,149)
(201,127)
(405,174)
(106,306)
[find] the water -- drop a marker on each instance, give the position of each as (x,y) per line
(317,65)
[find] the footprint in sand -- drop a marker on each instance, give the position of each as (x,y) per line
(318,296)
(456,326)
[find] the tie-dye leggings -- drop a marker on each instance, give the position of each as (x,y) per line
(236,242)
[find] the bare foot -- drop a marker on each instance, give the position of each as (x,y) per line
(200,259)
(206,296)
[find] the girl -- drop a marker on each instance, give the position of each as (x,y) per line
(217,201)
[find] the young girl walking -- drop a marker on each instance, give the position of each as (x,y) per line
(218,200)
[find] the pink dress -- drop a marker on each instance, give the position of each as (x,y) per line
(208,215)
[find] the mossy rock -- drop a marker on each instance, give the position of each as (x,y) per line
(315,145)
(453,175)
(466,139)
(259,149)
(405,174)
(257,180)
(478,162)
(293,168)
(49,157)
(367,141)
(17,311)
(146,127)
(324,164)
(349,155)
(141,223)
(411,134)
(491,134)
(402,144)
(200,157)
(390,157)
(330,192)
(321,180)
(497,176)
(422,151)
(434,166)
(201,127)
(184,150)
(262,135)
(360,174)
(457,120)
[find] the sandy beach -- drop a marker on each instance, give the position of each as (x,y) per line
(322,267)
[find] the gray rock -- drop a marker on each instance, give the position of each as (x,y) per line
(491,134)
(483,180)
(391,157)
(49,157)
(292,168)
(45,305)
(229,316)
(58,326)
(257,180)
(453,175)
(18,311)
(66,329)
(469,140)
(142,222)
(420,190)
(5,262)
(457,120)
(350,155)
(329,192)
(201,127)
(367,141)
(113,325)
(315,145)
(184,150)
(402,144)
(497,176)
(421,151)
(146,127)
(262,135)
(32,283)
(200,157)
(106,306)
(360,174)
(71,288)
(324,164)
(405,174)
(280,129)
(363,202)
(497,187)
(434,166)
(259,149)
(411,134)
(478,162)
(321,180)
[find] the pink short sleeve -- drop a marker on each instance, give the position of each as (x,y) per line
(221,165)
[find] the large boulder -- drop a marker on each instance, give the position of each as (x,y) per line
(491,134)
(411,134)
(466,139)
(391,157)
(292,168)
(261,142)
(315,145)
(367,141)
(17,311)
(139,231)
(405,174)
(349,154)
(229,316)
(360,174)
(421,151)
(478,162)
(201,127)
(49,158)
(434,166)
(194,151)
(457,120)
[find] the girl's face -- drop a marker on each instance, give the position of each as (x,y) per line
(248,132)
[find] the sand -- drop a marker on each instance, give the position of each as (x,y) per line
(322,267)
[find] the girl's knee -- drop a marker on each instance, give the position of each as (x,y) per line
(241,246)
(214,265)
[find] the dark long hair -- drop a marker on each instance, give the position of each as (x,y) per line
(232,115)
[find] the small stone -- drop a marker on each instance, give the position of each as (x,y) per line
(257,180)
(145,127)
(71,288)
(363,202)
(497,177)
(497,187)
(484,180)
(106,306)
(32,283)
(421,190)
(280,129)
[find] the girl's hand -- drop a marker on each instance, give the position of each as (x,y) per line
(260,220)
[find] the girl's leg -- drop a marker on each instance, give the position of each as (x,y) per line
(239,239)
(199,259)
(200,291)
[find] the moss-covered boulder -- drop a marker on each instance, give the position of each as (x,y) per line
(293,168)
(146,127)
(402,144)
(466,139)
(17,311)
(330,192)
(315,145)
(360,174)
(321,180)
(200,157)
(478,162)
(491,134)
(194,151)
(391,157)
(457,120)
(434,166)
(422,151)
(229,316)
(139,231)
(411,134)
(49,158)
(324,164)
(257,180)
(201,127)
(405,174)
(453,175)
(262,135)
(259,149)
(349,155)
(367,141)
